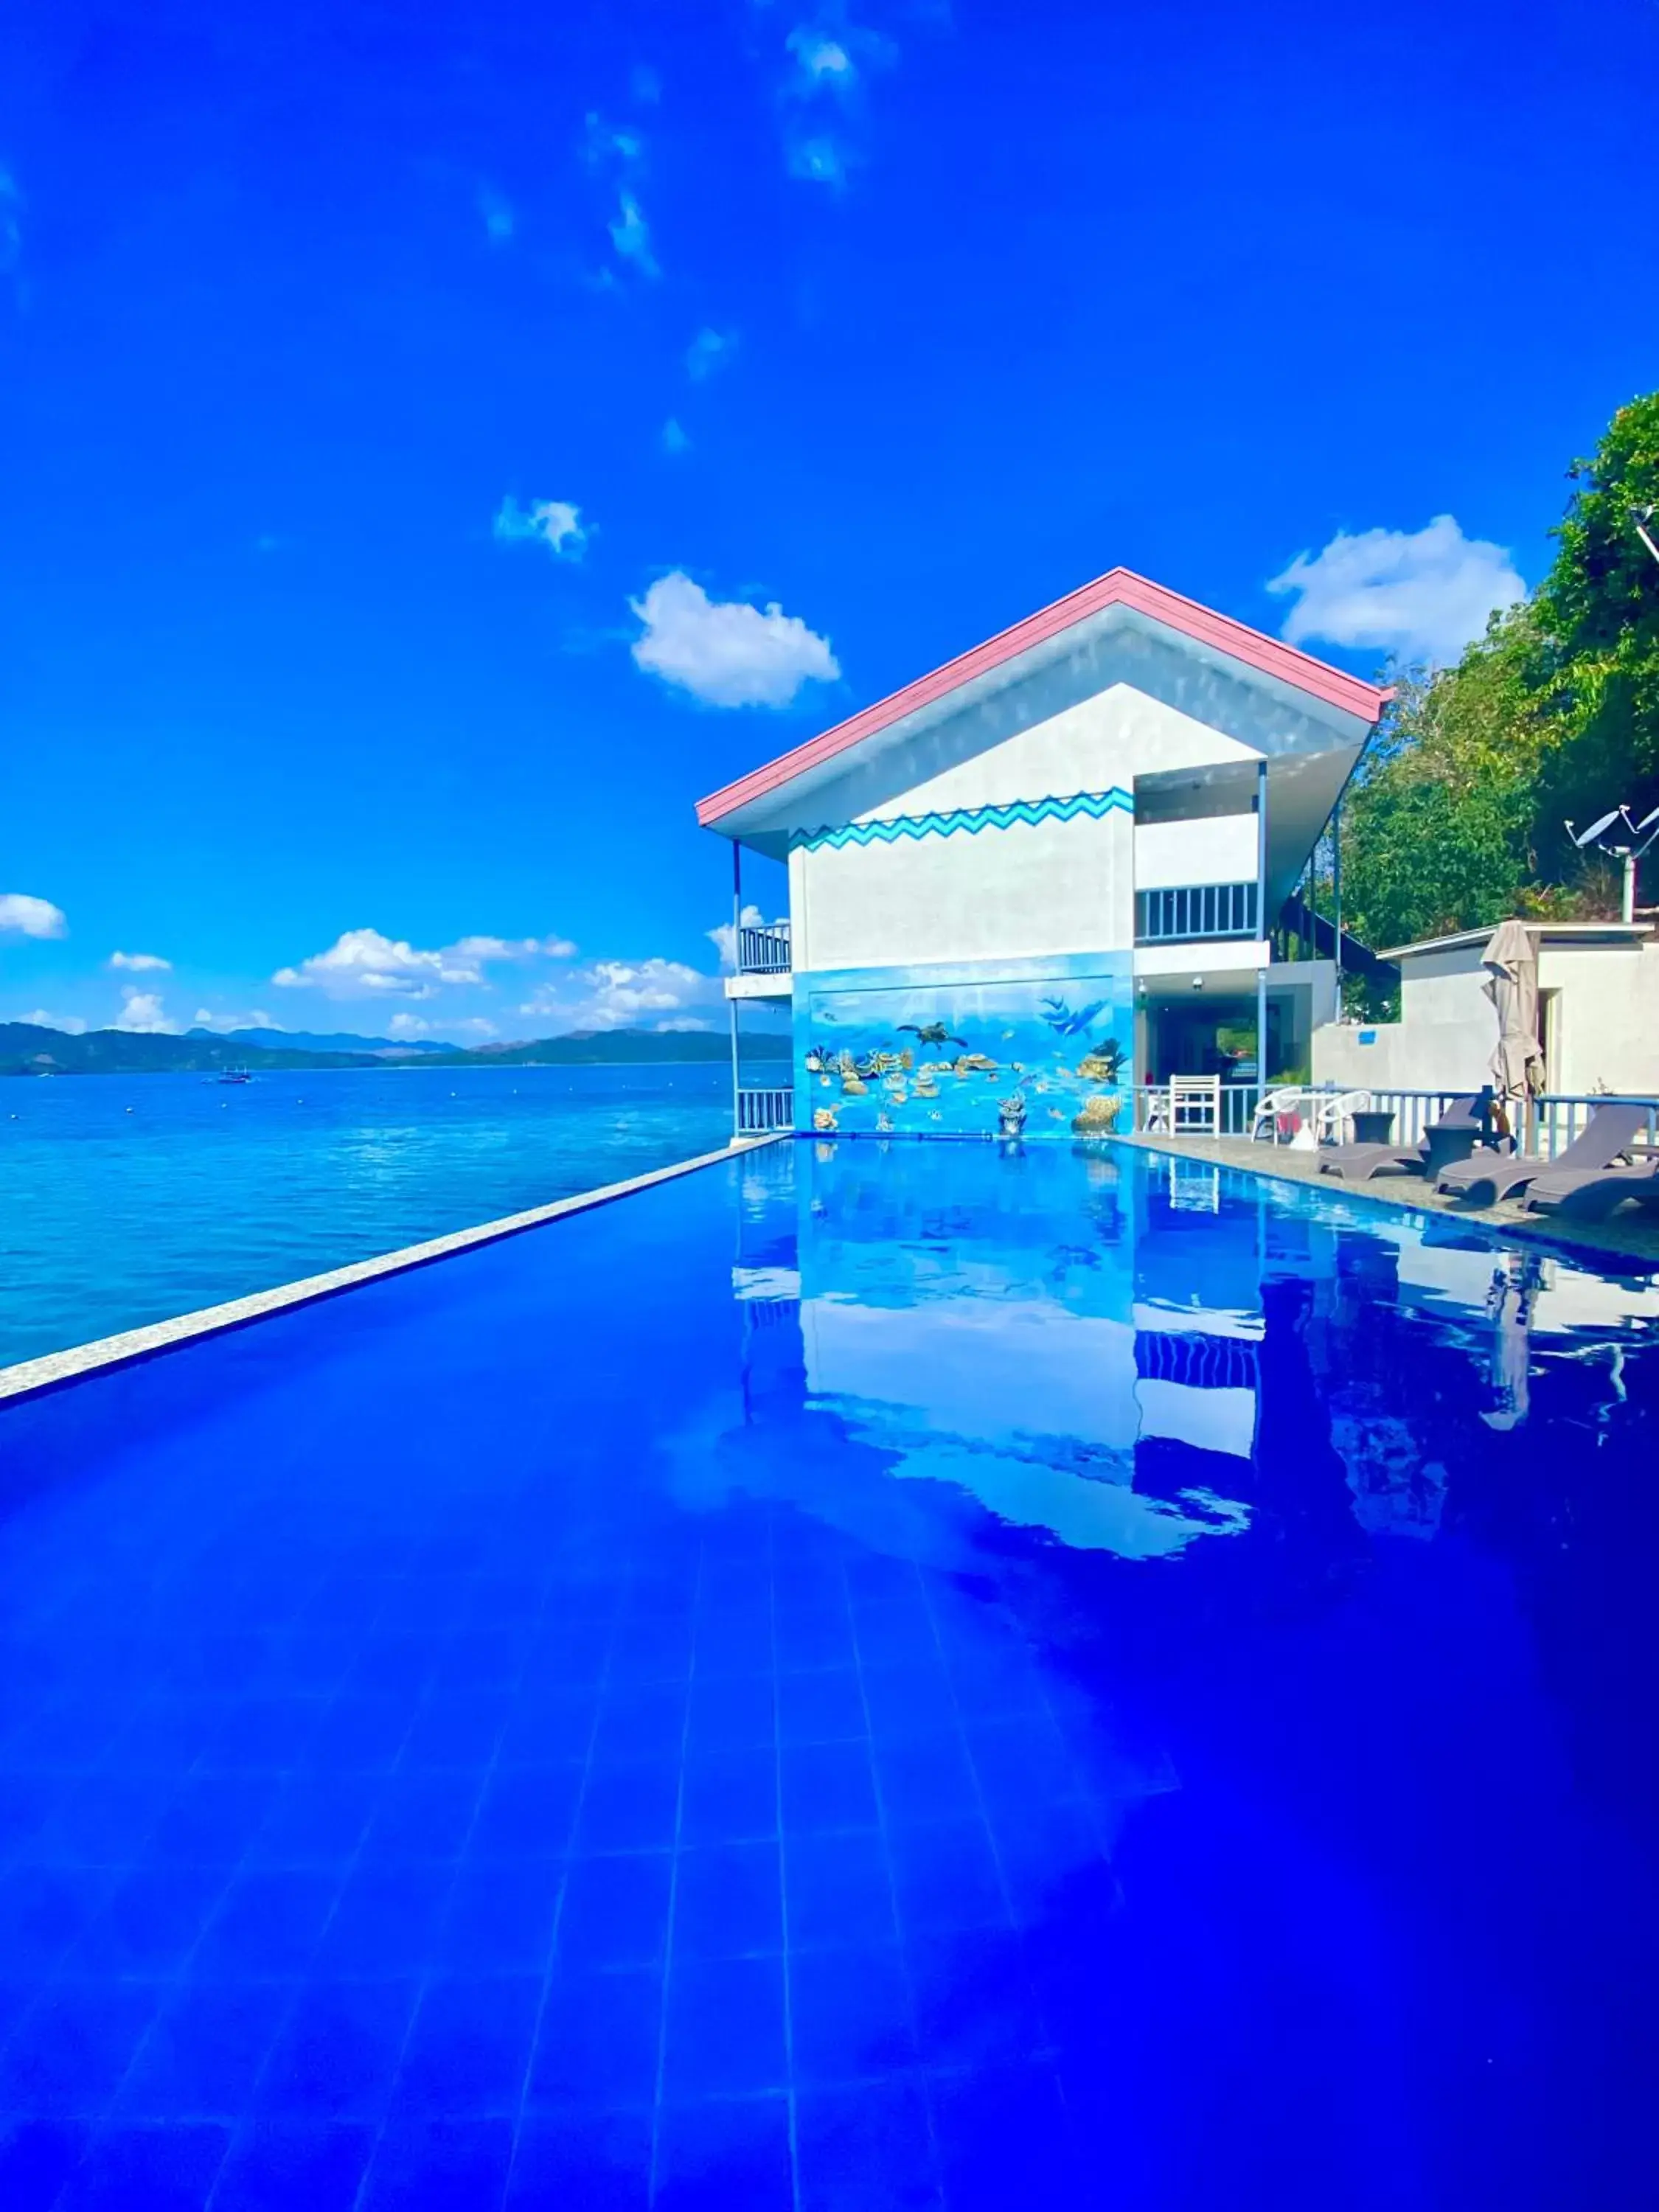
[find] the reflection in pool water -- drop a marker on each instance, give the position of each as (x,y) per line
(872,1675)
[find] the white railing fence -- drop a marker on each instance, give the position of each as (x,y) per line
(764,1108)
(1546,1128)
(1558,1119)
(763,950)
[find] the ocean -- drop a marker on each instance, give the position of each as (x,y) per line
(125,1199)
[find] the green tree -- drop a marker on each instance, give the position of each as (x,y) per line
(1599,607)
(1457,818)
(1439,833)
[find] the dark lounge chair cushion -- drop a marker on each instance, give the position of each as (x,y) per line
(1610,1131)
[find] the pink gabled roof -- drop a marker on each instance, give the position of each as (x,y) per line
(1117,587)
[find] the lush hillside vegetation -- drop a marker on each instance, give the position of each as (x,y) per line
(28,1049)
(1458,817)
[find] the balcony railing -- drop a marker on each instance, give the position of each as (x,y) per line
(762,1109)
(1190,912)
(763,950)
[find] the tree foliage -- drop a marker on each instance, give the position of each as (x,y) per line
(1458,817)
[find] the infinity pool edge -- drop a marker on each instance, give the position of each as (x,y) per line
(54,1371)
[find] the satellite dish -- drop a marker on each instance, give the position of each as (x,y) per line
(1587,836)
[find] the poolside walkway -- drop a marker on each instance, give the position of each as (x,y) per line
(1623,1238)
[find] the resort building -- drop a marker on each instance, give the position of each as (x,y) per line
(1051,869)
(1598,1015)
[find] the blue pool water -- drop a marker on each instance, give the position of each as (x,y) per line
(129,1198)
(863,1677)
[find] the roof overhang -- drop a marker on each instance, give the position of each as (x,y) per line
(1620,934)
(1119,598)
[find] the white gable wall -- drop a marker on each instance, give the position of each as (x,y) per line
(1109,739)
(1027,889)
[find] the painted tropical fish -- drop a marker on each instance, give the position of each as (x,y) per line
(1064,1021)
(931,1033)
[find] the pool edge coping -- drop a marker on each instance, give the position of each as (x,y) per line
(1603,1259)
(55,1370)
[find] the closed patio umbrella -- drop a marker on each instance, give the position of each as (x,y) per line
(1511,964)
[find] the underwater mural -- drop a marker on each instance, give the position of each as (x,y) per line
(942,1054)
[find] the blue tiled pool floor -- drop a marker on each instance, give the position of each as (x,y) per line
(608,1722)
(452,1865)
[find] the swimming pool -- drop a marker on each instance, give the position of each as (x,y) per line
(867,1676)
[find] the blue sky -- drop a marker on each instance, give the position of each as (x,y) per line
(439,445)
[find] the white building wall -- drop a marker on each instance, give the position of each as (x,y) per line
(1602,1022)
(1017,893)
(1606,1017)
(1027,889)
(1219,848)
(1097,743)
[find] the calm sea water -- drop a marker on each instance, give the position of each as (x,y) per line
(864,1677)
(127,1200)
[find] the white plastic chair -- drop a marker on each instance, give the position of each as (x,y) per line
(1332,1109)
(1275,1105)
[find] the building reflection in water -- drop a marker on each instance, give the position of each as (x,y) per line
(1078,1345)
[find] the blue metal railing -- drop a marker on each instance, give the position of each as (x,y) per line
(1190,912)
(763,950)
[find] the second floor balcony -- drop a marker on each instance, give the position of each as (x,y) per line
(1195,912)
(763,949)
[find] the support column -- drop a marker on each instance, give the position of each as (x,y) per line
(1262,924)
(731,1004)
(1336,889)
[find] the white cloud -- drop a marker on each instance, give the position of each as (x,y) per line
(608,145)
(499,219)
(726,651)
(680,1022)
(820,160)
(140,963)
(512,948)
(630,233)
(32,917)
(362,963)
(819,58)
(143,1011)
(723,937)
(674,439)
(829,61)
(710,350)
(407,1025)
(624,994)
(72,1025)
(206,1019)
(555,522)
(1424,594)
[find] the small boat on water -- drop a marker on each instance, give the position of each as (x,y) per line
(233,1075)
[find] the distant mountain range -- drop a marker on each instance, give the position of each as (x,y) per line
(319,1040)
(25,1048)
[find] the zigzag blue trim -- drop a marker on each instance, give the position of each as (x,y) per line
(1096,804)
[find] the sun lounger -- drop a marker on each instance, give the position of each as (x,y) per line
(1610,1131)
(1453,1136)
(1589,1194)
